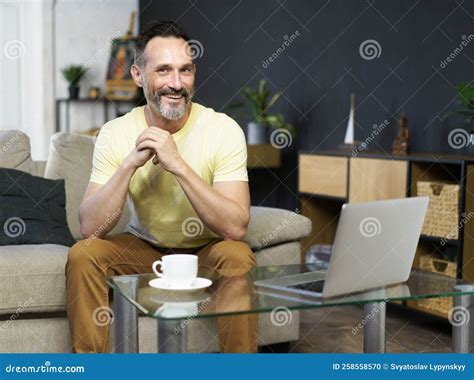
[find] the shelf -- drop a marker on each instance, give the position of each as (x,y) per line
(322,196)
(263,156)
(423,157)
(436,239)
(91,100)
(375,176)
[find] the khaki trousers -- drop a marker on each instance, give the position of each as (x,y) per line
(91,262)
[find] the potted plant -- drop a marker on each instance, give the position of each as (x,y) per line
(260,101)
(466,101)
(460,138)
(73,74)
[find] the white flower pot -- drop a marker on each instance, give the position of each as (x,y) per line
(256,134)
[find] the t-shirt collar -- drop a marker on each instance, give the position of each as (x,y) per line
(186,126)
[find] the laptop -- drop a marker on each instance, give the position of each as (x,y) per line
(374,247)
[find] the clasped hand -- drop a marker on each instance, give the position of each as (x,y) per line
(159,144)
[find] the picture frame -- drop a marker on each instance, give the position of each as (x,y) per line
(119,83)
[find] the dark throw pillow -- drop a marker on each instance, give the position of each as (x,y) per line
(32,210)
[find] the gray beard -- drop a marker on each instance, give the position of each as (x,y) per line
(168,112)
(171,112)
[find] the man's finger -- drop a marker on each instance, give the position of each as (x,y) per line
(148,136)
(147,144)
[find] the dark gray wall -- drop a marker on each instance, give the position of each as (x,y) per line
(323,65)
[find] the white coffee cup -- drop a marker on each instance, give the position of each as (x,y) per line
(178,270)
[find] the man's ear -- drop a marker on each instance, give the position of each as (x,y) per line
(136,75)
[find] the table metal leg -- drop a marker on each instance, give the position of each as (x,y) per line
(374,329)
(461,319)
(171,336)
(125,316)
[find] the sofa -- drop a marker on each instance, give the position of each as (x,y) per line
(32,279)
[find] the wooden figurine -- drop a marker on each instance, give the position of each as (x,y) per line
(401,141)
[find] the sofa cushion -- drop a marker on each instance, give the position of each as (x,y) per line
(272,226)
(70,158)
(15,151)
(33,210)
(32,278)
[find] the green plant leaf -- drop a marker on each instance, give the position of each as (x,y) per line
(259,102)
(274,98)
(74,73)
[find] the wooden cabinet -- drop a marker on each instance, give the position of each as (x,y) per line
(329,179)
(374,179)
(323,175)
(263,156)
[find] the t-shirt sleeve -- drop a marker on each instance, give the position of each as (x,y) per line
(231,158)
(104,161)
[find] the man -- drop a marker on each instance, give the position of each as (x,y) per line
(182,169)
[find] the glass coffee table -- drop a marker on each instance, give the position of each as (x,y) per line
(133,296)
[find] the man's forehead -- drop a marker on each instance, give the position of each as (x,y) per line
(168,50)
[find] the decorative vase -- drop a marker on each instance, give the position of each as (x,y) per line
(256,134)
(349,138)
(73,92)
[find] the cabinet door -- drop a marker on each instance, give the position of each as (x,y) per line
(323,175)
(377,179)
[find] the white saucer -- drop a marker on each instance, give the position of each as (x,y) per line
(197,284)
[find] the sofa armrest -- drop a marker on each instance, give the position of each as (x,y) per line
(38,168)
(272,226)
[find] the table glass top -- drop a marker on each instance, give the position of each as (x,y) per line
(236,293)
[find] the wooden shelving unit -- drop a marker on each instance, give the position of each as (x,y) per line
(328,179)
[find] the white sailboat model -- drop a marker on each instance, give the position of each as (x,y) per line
(349,141)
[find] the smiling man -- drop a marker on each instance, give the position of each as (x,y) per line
(181,167)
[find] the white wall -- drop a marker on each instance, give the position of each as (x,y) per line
(83,33)
(26,70)
(37,39)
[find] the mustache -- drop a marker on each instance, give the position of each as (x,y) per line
(183,92)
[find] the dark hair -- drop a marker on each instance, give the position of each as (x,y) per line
(156,29)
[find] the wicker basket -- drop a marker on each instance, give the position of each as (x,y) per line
(435,265)
(439,284)
(439,305)
(443,211)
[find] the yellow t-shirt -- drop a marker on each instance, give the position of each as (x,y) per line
(210,142)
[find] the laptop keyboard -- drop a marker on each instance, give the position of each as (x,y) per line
(315,286)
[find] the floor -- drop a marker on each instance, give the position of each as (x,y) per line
(333,330)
